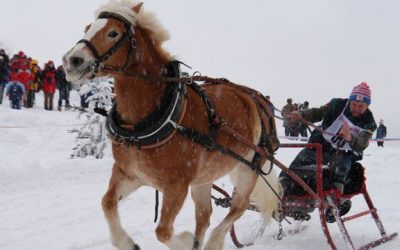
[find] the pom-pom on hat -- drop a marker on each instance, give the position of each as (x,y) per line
(361,92)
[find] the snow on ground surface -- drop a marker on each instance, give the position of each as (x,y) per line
(48,201)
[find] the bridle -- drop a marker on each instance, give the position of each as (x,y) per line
(128,36)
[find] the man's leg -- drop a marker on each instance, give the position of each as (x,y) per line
(341,164)
(51,95)
(304,158)
(1,92)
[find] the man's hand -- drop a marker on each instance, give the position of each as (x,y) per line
(345,132)
(294,116)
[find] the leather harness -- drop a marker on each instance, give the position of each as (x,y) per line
(161,125)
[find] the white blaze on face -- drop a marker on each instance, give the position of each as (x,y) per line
(95,27)
(79,51)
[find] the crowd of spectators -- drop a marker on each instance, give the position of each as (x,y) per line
(21,78)
(294,129)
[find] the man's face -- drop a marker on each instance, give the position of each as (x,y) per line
(358,108)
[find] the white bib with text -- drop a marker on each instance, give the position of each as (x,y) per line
(333,130)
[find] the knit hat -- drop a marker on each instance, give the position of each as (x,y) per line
(361,92)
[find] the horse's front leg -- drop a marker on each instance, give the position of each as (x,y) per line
(120,186)
(201,196)
(173,200)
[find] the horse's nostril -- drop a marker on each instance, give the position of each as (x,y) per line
(76,61)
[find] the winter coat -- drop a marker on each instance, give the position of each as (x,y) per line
(381,132)
(4,73)
(25,77)
(286,110)
(49,80)
(330,112)
(62,84)
(15,90)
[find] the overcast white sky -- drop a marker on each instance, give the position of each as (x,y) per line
(311,50)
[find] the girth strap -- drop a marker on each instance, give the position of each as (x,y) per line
(209,142)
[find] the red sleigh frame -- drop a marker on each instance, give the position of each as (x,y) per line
(323,200)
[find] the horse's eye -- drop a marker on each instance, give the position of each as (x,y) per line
(113,34)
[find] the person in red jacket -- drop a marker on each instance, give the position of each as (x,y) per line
(49,84)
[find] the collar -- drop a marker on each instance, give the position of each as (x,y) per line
(158,127)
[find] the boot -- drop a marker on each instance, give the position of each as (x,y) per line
(59,108)
(344,208)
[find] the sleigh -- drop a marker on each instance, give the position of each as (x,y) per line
(311,190)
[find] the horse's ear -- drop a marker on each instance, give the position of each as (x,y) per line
(87,28)
(137,7)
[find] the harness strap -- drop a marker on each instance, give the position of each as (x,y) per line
(209,142)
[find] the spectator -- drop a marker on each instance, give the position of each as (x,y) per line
(303,127)
(286,110)
(3,77)
(295,126)
(15,90)
(380,133)
(5,56)
(49,84)
(36,71)
(347,126)
(64,88)
(270,105)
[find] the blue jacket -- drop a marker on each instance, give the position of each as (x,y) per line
(381,132)
(15,90)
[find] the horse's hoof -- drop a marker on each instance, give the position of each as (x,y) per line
(196,244)
(136,247)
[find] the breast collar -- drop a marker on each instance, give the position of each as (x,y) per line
(158,127)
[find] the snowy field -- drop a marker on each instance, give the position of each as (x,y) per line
(48,201)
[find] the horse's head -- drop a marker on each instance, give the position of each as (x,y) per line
(112,40)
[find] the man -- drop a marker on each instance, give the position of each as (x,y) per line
(347,126)
(63,87)
(380,133)
(270,105)
(304,127)
(286,110)
(4,72)
(49,84)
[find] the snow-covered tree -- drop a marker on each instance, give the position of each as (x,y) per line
(92,137)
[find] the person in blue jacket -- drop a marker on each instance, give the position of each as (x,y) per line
(380,133)
(15,90)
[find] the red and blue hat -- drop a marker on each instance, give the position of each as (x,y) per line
(361,92)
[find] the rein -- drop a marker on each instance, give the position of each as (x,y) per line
(154,78)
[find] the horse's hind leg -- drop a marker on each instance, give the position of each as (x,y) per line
(173,200)
(239,204)
(120,186)
(201,196)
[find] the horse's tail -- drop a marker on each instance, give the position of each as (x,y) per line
(266,199)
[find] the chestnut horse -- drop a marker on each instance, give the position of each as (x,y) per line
(165,134)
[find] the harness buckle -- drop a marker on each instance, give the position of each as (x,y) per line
(175,125)
(121,140)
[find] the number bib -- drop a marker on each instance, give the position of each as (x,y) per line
(333,130)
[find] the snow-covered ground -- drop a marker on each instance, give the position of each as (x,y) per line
(48,201)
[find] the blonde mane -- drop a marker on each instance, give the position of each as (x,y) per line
(144,19)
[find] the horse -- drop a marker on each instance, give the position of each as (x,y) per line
(170,135)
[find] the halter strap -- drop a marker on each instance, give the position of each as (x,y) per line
(129,35)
